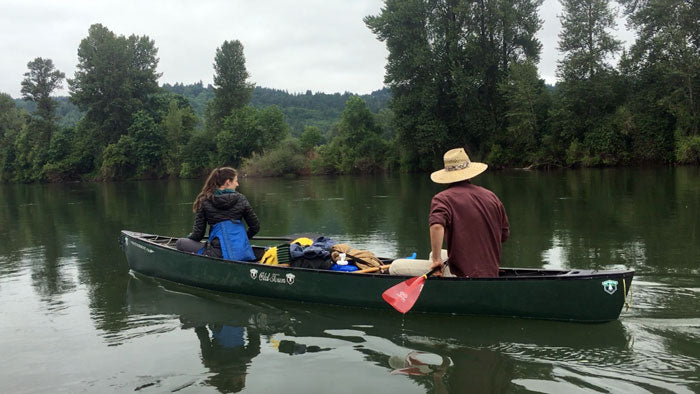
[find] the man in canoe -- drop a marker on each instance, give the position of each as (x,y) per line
(470,218)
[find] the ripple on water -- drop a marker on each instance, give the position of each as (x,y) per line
(571,379)
(138,326)
(674,299)
(659,356)
(17,263)
(605,371)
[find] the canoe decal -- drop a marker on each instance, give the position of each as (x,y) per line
(271,277)
(143,248)
(610,286)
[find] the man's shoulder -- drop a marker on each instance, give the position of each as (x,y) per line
(485,194)
(465,189)
(482,190)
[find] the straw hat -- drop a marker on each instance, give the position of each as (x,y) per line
(458,167)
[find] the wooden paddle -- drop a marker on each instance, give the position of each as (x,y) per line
(372,269)
(403,295)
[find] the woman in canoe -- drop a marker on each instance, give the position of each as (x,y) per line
(222,207)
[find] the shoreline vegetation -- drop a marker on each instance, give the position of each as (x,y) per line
(456,75)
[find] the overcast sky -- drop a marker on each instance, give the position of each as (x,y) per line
(319,45)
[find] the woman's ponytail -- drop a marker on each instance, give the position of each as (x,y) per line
(216,179)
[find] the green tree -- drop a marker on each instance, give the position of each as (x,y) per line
(117,160)
(149,145)
(115,77)
(12,120)
(231,88)
(139,153)
(30,155)
(358,148)
(199,155)
(588,88)
(526,110)
(38,84)
(446,61)
(272,127)
(249,130)
(310,138)
(57,167)
(586,39)
(239,138)
(663,67)
(178,125)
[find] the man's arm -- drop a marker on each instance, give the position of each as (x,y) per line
(437,234)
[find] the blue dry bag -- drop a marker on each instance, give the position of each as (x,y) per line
(233,239)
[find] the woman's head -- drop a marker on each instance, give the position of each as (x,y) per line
(219,177)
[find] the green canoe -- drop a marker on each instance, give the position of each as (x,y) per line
(572,295)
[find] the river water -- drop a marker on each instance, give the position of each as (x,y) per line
(74,319)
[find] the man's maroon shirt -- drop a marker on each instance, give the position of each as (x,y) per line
(475,225)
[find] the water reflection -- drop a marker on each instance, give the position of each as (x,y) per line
(227,352)
(237,335)
(61,272)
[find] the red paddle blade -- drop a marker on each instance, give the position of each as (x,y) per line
(403,295)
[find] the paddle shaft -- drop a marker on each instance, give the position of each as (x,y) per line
(373,269)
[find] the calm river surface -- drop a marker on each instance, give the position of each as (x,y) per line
(74,319)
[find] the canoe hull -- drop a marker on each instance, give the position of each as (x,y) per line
(581,297)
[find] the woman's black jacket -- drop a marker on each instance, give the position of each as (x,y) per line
(222,207)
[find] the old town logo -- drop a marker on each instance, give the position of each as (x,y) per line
(263,276)
(610,286)
(290,279)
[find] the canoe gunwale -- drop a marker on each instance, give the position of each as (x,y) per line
(571,274)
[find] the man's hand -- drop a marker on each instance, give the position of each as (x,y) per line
(435,264)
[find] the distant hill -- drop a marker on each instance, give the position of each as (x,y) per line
(68,114)
(300,109)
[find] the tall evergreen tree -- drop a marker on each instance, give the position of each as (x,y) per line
(231,88)
(38,84)
(32,144)
(586,39)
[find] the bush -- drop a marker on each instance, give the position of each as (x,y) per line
(197,155)
(328,158)
(287,159)
(496,157)
(574,153)
(117,159)
(688,150)
(310,138)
